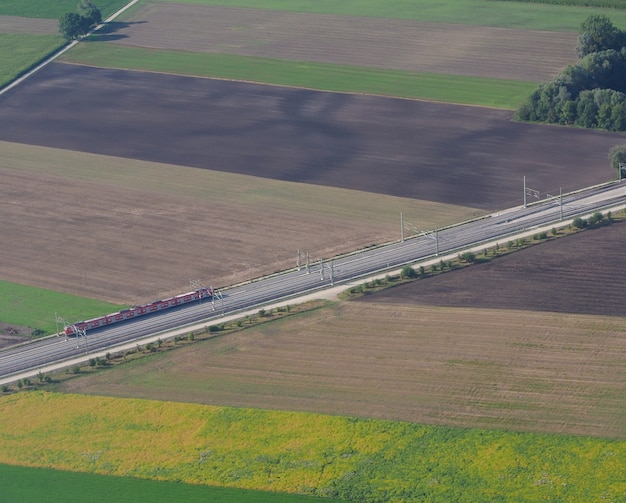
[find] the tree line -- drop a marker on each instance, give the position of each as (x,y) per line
(590,93)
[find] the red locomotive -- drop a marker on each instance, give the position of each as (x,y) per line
(134,312)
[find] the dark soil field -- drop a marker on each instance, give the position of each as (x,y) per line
(444,153)
(379,43)
(574,275)
(506,344)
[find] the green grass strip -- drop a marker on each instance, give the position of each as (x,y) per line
(529,16)
(28,306)
(504,94)
(42,485)
(54,9)
(20,52)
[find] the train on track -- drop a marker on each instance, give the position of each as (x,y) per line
(135,312)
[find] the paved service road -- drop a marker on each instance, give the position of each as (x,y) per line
(428,245)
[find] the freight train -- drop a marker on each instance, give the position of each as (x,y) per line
(134,312)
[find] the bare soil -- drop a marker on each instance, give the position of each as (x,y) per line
(444,153)
(14,24)
(574,275)
(370,42)
(10,335)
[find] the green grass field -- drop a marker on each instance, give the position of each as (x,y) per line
(48,9)
(447,88)
(528,16)
(42,485)
(35,307)
(19,52)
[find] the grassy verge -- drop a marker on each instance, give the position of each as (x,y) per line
(35,307)
(20,52)
(446,88)
(353,459)
(44,485)
(529,16)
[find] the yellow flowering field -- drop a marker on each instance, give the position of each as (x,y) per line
(354,459)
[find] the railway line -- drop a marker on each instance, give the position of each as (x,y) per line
(428,245)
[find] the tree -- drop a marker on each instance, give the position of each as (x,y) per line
(408,272)
(72,26)
(597,33)
(89,11)
(468,256)
(617,156)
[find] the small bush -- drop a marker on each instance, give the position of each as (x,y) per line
(468,257)
(408,272)
(579,223)
(596,218)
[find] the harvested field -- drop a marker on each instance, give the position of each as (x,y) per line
(378,43)
(443,153)
(14,24)
(132,231)
(485,368)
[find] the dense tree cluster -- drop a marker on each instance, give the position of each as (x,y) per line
(590,93)
(76,24)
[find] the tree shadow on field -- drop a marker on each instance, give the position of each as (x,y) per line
(110,31)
